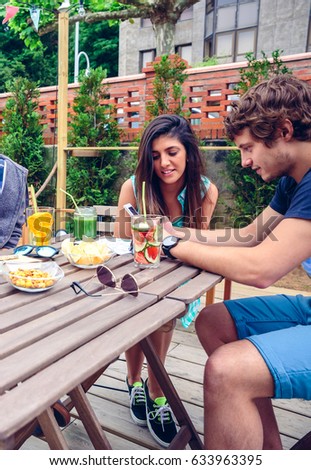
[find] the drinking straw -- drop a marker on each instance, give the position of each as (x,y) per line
(74,202)
(34,200)
(143,197)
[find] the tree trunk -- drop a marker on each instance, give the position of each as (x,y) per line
(164,35)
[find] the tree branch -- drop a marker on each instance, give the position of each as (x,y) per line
(136,3)
(122,15)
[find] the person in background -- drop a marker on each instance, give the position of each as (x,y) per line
(170,163)
(258,348)
(13,201)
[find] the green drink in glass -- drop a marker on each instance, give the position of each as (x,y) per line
(85,223)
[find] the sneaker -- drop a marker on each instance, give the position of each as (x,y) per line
(160,419)
(137,402)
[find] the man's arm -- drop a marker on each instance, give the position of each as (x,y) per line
(260,265)
(250,235)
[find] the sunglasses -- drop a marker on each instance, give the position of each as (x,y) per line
(106,277)
(44,251)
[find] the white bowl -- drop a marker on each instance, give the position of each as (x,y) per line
(32,277)
(87,255)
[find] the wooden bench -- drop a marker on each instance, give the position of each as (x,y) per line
(106,216)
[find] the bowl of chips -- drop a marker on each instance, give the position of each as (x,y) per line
(32,277)
(86,254)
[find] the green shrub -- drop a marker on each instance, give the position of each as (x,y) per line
(23,134)
(167,87)
(92,180)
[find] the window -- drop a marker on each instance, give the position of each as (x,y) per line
(247,15)
(185,52)
(145,57)
(245,42)
(226,18)
(225,2)
(224,45)
(231,29)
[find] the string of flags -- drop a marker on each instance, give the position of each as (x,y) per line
(10,13)
(34,11)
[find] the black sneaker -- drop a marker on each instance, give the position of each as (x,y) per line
(160,419)
(137,402)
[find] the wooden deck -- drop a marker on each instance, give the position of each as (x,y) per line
(185,364)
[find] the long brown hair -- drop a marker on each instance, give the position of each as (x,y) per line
(179,128)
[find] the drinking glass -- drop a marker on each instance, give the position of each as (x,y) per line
(85,223)
(40,225)
(147,233)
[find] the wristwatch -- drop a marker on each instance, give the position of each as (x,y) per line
(169,243)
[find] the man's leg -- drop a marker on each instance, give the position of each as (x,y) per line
(237,412)
(215,327)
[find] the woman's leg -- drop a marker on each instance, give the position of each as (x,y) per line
(134,361)
(161,340)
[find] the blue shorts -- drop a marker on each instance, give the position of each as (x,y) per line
(279,326)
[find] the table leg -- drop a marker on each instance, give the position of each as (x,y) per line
(51,430)
(187,433)
(89,419)
(87,384)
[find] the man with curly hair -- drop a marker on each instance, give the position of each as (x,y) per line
(259,348)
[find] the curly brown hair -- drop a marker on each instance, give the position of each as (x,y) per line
(264,108)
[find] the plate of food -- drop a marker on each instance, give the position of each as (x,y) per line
(33,277)
(86,254)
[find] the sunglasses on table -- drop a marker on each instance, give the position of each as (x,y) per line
(44,251)
(128,283)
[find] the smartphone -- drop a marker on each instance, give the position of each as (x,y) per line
(130,209)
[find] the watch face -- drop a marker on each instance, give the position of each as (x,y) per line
(170,240)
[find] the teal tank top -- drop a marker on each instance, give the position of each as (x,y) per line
(181,197)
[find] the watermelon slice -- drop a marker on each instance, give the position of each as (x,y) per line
(152,253)
(139,240)
(139,257)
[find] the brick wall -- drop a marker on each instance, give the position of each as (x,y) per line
(209,92)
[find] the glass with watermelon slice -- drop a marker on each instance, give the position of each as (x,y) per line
(147,237)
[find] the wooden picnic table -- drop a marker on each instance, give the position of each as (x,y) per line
(54,345)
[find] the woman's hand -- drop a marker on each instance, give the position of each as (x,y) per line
(168,229)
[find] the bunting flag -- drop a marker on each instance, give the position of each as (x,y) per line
(35,16)
(10,12)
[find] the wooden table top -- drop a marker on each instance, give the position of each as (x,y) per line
(54,340)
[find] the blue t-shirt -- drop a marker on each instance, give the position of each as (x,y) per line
(293,200)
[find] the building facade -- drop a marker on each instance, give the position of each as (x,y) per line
(224,30)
